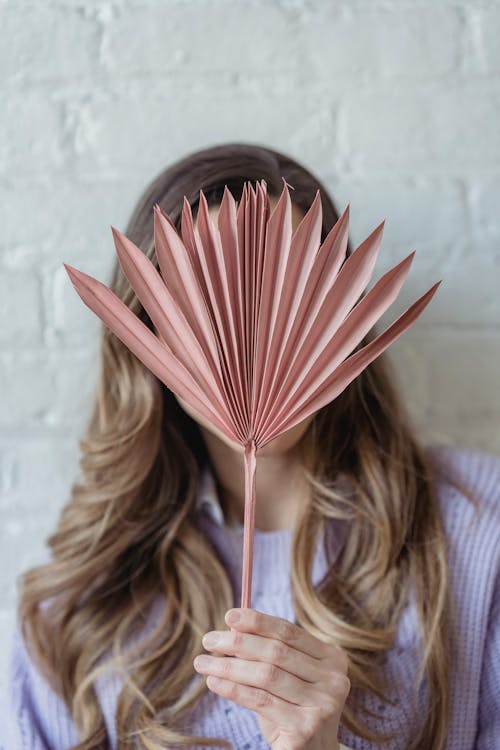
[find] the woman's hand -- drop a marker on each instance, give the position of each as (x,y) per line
(296,684)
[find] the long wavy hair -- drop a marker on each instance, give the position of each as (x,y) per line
(127,534)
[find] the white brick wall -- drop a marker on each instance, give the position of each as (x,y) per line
(395,105)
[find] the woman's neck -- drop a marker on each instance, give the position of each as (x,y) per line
(281,490)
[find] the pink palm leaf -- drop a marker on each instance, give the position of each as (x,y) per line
(258,323)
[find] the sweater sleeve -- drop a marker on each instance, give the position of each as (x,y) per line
(488,729)
(33,716)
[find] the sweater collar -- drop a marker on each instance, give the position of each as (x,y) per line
(272,548)
(207,499)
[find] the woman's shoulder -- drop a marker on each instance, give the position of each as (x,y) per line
(33,715)
(473,550)
(468,489)
(464,473)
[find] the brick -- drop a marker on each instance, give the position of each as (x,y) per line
(481,55)
(70,322)
(420,132)
(68,222)
(490,33)
(27,388)
(20,309)
(32,140)
(449,382)
(485,216)
(41,469)
(76,381)
(22,537)
(420,213)
(212,115)
(468,295)
(43,42)
(187,40)
(463,372)
(394,41)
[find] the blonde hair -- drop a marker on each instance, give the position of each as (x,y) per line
(127,535)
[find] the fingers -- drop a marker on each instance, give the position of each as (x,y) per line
(266,704)
(301,723)
(328,656)
(280,629)
(280,671)
(258,648)
(266,663)
(256,674)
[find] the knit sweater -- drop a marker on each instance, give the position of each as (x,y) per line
(33,717)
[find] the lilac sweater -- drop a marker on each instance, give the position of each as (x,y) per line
(32,717)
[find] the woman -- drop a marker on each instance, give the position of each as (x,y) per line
(375,609)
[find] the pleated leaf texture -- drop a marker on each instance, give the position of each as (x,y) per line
(259,323)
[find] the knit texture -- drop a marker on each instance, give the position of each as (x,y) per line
(34,718)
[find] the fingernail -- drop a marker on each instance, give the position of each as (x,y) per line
(233,616)
(201,662)
(210,639)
